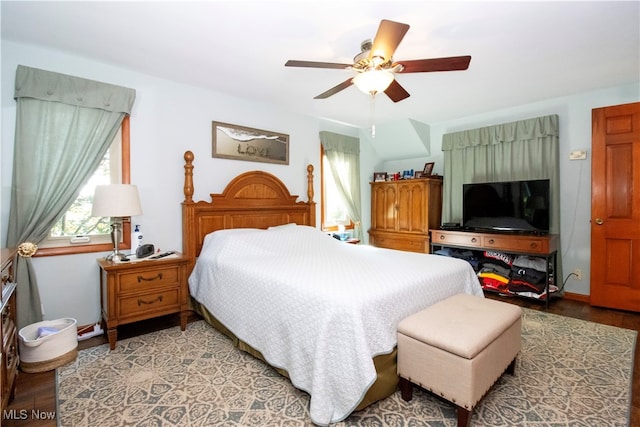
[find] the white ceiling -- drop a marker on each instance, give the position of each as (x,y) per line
(522,52)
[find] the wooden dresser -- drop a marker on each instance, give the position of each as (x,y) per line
(135,291)
(542,246)
(403,212)
(8,332)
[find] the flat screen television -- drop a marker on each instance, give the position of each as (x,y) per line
(507,206)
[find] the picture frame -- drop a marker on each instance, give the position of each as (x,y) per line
(418,174)
(428,169)
(379,176)
(237,142)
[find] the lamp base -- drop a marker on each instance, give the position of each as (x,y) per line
(116,235)
(115,257)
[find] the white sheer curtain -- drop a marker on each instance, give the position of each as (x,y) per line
(343,155)
(64,126)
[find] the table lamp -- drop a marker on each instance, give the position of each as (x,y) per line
(117,201)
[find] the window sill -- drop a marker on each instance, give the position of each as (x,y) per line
(76,249)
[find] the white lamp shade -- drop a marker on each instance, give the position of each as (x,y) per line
(116,200)
(373,81)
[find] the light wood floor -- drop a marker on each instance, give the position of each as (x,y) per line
(36,392)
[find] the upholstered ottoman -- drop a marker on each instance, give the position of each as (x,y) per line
(458,348)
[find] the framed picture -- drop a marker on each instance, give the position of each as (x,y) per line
(379,176)
(244,143)
(418,174)
(428,169)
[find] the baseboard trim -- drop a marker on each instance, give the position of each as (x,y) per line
(578,297)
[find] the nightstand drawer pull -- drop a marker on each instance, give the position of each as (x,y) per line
(158,276)
(141,301)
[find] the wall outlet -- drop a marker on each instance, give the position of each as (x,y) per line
(578,274)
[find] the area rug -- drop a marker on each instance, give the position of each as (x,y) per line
(570,373)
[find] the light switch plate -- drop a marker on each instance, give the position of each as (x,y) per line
(578,155)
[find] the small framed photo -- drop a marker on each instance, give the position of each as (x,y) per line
(418,174)
(428,169)
(379,176)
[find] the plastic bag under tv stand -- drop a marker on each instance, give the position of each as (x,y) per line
(539,245)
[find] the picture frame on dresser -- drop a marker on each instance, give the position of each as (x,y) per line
(379,176)
(428,169)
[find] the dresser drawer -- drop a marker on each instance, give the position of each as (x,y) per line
(530,245)
(402,243)
(150,278)
(10,353)
(8,316)
(456,239)
(151,304)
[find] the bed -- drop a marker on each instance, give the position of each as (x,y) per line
(321,311)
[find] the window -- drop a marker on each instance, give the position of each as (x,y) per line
(334,213)
(77,221)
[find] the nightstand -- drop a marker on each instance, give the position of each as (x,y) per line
(140,290)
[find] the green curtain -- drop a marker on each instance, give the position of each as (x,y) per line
(526,149)
(64,126)
(345,150)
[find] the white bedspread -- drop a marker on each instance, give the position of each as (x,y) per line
(318,307)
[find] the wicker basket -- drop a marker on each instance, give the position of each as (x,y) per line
(44,353)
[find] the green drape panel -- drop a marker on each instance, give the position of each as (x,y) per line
(342,150)
(526,149)
(64,126)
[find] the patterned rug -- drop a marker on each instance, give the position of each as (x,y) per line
(570,373)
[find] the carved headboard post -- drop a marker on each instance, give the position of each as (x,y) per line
(310,183)
(310,202)
(188,176)
(188,215)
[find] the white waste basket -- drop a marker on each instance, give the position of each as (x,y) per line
(47,345)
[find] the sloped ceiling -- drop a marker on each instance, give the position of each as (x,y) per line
(400,139)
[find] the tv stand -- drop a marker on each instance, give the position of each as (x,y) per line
(543,246)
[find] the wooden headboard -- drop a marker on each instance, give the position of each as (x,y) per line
(254,199)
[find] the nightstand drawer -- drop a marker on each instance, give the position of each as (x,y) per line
(151,278)
(152,303)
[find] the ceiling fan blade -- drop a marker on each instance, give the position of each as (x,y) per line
(454,63)
(396,92)
(345,84)
(388,37)
(313,64)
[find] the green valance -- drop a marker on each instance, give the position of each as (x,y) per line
(521,130)
(49,86)
(342,143)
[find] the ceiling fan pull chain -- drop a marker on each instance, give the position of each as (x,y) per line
(372,111)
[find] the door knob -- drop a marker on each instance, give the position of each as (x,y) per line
(599,221)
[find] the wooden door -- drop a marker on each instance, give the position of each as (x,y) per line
(615,207)
(412,215)
(384,207)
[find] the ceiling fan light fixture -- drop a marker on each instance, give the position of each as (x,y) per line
(373,81)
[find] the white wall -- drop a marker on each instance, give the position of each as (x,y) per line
(167,119)
(575,175)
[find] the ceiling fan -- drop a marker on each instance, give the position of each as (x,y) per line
(375,68)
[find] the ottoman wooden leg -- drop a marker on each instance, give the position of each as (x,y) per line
(464,416)
(406,389)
